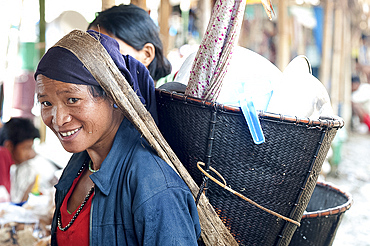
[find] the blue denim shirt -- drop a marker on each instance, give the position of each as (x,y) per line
(138,200)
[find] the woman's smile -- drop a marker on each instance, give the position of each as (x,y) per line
(73,113)
(69,133)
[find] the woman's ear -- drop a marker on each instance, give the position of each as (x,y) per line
(9,145)
(148,51)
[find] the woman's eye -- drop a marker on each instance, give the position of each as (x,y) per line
(46,104)
(72,100)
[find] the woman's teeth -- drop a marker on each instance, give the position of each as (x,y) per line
(66,134)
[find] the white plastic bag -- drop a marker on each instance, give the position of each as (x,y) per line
(300,93)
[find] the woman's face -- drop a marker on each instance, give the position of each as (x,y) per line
(80,121)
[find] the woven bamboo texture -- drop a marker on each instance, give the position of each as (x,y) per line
(279,174)
(322,217)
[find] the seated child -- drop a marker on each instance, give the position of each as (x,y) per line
(16,146)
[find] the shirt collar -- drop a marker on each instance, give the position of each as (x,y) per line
(125,137)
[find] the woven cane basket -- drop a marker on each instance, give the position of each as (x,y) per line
(322,217)
(279,174)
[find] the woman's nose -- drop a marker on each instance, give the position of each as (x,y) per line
(60,116)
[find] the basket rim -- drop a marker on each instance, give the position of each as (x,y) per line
(331,211)
(322,122)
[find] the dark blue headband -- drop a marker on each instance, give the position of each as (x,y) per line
(60,64)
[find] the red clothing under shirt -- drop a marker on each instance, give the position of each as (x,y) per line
(5,162)
(78,233)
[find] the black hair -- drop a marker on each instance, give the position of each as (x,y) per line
(355,79)
(18,130)
(97,91)
(135,27)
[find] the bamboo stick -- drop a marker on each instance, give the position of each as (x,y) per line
(102,67)
(106,4)
(336,72)
(283,47)
(346,88)
(327,44)
(164,27)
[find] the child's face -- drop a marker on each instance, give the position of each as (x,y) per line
(23,151)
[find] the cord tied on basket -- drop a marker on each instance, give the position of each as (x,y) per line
(224,185)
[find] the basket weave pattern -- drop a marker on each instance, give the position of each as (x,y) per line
(322,217)
(279,174)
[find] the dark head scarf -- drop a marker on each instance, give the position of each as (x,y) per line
(60,64)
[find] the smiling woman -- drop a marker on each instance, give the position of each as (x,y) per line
(62,109)
(115,190)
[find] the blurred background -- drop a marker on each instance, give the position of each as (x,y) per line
(333,34)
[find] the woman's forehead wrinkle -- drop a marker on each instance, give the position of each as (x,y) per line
(69,90)
(64,90)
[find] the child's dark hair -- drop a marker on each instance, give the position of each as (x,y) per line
(355,79)
(18,130)
(134,26)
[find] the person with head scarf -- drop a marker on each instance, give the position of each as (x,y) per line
(115,190)
(137,35)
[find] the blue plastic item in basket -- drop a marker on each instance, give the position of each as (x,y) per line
(250,114)
(250,98)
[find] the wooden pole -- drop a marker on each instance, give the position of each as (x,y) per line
(327,44)
(346,86)
(337,72)
(283,55)
(139,3)
(205,10)
(164,15)
(41,46)
(106,4)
